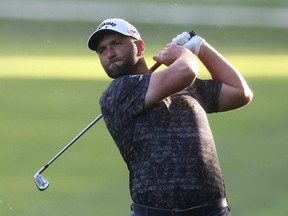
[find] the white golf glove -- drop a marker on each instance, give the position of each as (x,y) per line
(181,39)
(190,41)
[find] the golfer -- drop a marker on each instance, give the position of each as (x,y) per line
(159,120)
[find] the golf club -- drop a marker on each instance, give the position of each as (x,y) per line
(41,182)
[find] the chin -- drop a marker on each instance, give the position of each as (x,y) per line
(114,75)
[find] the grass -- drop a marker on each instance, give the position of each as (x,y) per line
(48,49)
(42,109)
(40,116)
(83,67)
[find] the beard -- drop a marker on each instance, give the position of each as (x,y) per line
(121,66)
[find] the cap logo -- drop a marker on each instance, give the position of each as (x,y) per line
(133,31)
(107,24)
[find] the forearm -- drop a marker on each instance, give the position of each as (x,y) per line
(181,70)
(235,92)
(219,68)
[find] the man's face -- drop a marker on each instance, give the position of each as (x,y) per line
(117,54)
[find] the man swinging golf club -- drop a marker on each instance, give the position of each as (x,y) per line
(158,120)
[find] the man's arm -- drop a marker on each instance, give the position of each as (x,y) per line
(235,92)
(180,73)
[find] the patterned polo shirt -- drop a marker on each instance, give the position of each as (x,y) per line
(169,148)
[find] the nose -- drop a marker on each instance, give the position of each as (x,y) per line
(110,52)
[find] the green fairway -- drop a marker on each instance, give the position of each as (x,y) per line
(84,67)
(50,85)
(48,52)
(40,116)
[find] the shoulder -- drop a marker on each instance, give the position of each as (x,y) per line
(126,83)
(125,90)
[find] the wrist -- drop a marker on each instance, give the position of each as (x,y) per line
(195,44)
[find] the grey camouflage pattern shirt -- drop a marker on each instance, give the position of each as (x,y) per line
(169,148)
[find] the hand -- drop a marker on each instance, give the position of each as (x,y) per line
(189,40)
(181,39)
(172,53)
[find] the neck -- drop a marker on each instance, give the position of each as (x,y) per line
(141,67)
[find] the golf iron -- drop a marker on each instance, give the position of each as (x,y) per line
(41,182)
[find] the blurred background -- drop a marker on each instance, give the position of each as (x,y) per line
(50,85)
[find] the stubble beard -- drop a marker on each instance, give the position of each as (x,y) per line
(127,66)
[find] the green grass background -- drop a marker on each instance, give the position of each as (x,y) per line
(50,85)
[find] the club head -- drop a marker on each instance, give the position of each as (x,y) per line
(41,182)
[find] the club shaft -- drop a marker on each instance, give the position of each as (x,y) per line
(155,66)
(70,143)
(152,69)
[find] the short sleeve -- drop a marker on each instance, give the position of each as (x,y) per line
(206,92)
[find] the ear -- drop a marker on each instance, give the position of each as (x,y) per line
(140,47)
